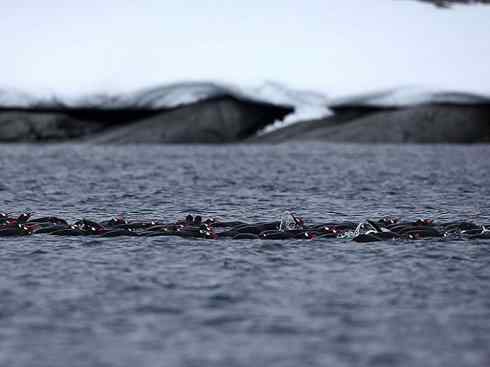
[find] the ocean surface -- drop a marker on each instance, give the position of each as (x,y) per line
(167,301)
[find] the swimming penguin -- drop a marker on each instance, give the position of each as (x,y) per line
(70,231)
(49,220)
(419,233)
(138,225)
(24,217)
(375,232)
(203,231)
(337,227)
(483,235)
(474,231)
(248,228)
(114,222)
(50,228)
(275,235)
(189,220)
(325,232)
(90,226)
(461,227)
(15,230)
(197,220)
(381,231)
(388,221)
(3,217)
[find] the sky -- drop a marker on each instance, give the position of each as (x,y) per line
(337,48)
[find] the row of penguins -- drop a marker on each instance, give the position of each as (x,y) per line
(290,226)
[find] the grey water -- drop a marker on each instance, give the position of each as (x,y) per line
(167,301)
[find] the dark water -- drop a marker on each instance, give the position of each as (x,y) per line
(168,301)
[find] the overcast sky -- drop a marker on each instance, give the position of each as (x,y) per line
(336,47)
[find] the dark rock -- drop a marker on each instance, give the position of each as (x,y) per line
(418,124)
(28,126)
(222,120)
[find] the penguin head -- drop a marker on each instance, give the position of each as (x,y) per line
(119,220)
(197,220)
(24,217)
